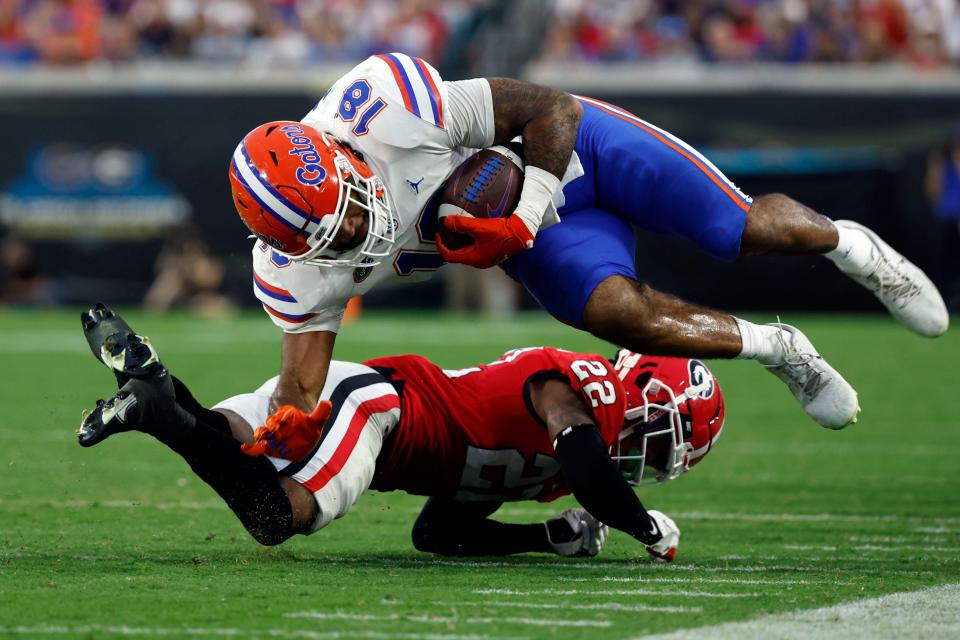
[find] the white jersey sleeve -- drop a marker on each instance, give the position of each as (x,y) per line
(291,294)
(470,113)
(366,408)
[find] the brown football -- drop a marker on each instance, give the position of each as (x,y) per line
(486,185)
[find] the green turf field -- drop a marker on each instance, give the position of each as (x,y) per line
(122,541)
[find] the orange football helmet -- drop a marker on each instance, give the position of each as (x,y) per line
(292,186)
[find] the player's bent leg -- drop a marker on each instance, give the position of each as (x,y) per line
(632,314)
(251,487)
(148,402)
(448,527)
(302,503)
(779,225)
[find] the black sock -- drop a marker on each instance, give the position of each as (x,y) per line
(186,400)
(447,527)
(250,486)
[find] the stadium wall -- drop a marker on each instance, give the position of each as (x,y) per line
(846,151)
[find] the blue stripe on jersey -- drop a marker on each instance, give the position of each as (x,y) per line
(289,316)
(406,83)
(426,85)
(276,295)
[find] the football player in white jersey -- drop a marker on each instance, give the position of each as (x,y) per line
(339,203)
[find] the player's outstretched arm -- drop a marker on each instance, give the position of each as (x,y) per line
(593,476)
(303,371)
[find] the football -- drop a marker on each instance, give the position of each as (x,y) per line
(486,185)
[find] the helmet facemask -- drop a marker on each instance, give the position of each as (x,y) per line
(660,428)
(674,415)
(366,192)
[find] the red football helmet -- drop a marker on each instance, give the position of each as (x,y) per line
(674,415)
(292,186)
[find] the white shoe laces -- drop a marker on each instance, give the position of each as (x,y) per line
(888,281)
(798,368)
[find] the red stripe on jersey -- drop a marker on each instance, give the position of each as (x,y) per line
(433,90)
(400,83)
(612,110)
(286,317)
(339,458)
(269,287)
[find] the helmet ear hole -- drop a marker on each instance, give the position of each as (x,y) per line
(643,379)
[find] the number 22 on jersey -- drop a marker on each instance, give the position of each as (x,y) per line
(599,391)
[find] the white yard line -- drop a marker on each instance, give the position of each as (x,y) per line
(683,593)
(929,613)
(639,565)
(688,580)
(186,505)
(396,617)
(762,517)
(306,634)
(887,548)
(598,606)
(934,530)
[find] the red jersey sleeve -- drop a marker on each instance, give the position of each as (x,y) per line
(594,378)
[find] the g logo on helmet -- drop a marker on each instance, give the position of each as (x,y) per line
(311,173)
(700,375)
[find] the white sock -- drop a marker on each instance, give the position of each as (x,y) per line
(854,252)
(761,342)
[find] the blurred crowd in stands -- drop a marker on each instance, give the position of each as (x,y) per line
(293,32)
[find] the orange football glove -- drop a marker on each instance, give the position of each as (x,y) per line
(494,240)
(289,433)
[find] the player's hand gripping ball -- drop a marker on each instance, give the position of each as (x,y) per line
(289,433)
(476,225)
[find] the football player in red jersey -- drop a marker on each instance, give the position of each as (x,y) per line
(536,424)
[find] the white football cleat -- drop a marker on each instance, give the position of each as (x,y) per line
(589,534)
(905,290)
(821,391)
